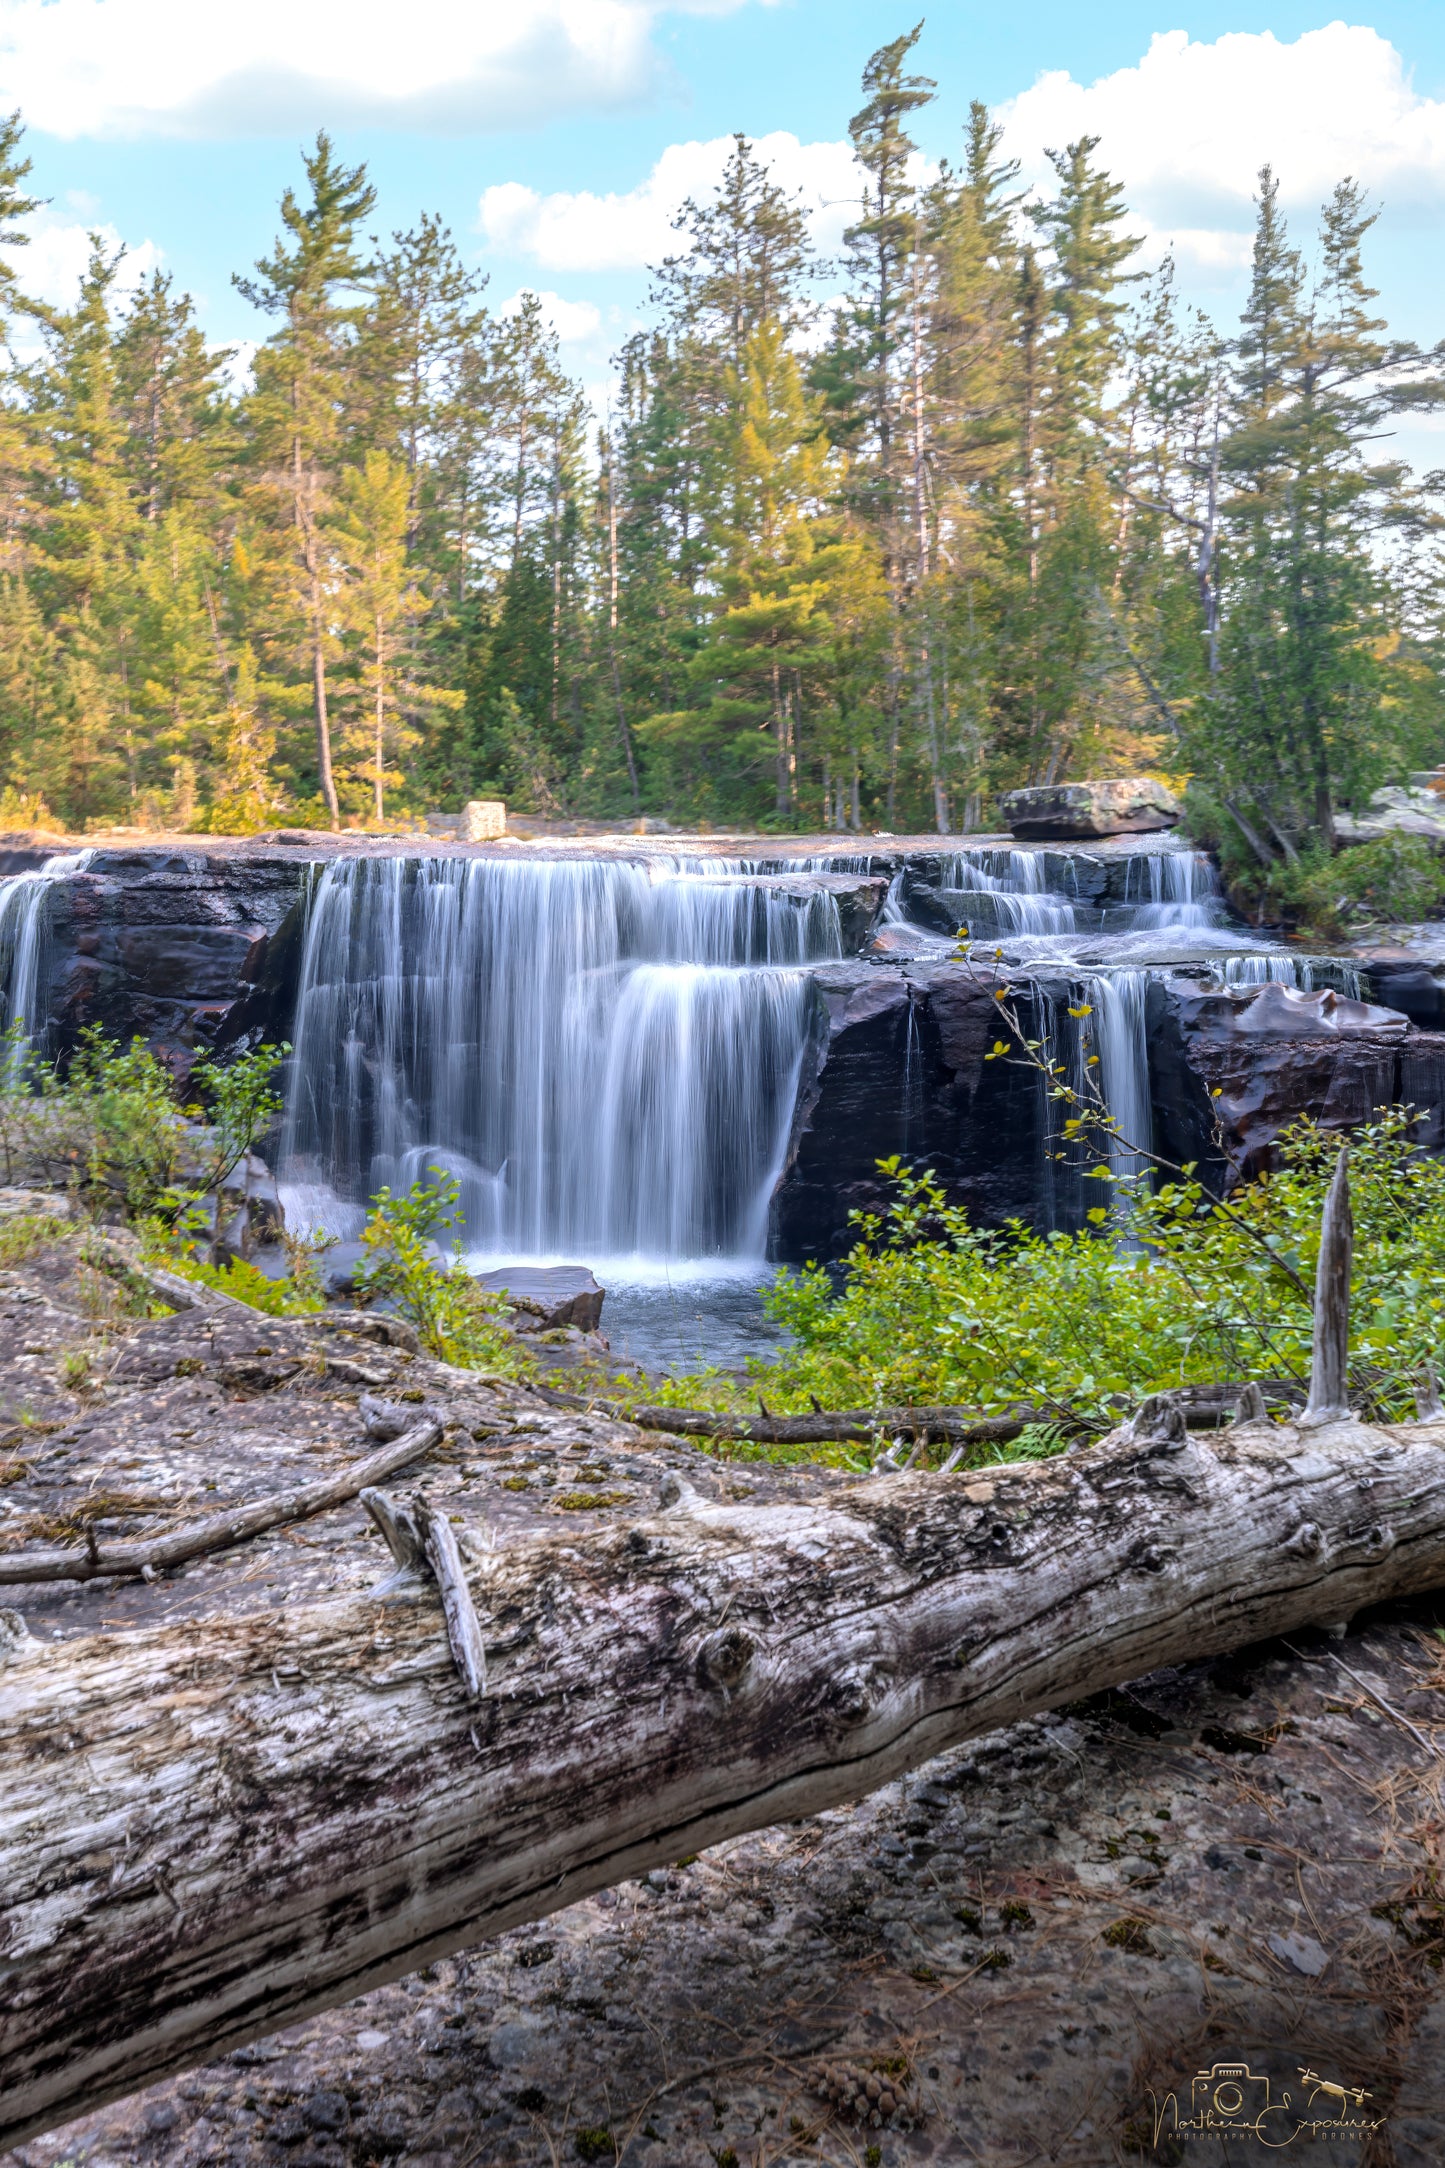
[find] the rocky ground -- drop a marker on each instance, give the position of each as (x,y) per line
(1024,1952)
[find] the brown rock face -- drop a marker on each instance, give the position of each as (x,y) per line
(1274,1056)
(1055,812)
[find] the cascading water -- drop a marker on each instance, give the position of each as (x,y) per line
(1011,891)
(1118,1000)
(1171,888)
(1273,967)
(604,1054)
(23,900)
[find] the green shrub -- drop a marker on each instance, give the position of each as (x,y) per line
(282,1297)
(935,1311)
(112,1130)
(455,1318)
(126,1134)
(1394,877)
(1397,876)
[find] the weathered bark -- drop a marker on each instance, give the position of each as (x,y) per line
(210,1832)
(1329,1362)
(1204,1407)
(856,1426)
(219,1530)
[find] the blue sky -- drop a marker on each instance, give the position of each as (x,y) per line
(557,135)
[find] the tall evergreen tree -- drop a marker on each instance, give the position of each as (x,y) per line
(305,394)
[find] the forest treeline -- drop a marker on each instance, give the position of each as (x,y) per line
(1007,512)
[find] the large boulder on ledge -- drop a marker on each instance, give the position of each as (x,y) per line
(1054,812)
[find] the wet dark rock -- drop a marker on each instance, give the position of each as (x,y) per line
(895,1063)
(1401,981)
(1288,1012)
(1273,1056)
(171,945)
(22,857)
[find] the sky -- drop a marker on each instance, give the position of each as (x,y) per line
(558,137)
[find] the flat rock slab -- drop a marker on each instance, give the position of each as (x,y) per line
(565,1294)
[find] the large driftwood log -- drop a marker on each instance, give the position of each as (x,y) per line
(210,1833)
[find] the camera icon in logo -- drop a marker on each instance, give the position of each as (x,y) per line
(1234,2092)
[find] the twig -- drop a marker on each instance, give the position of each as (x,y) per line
(1374,1693)
(222,1529)
(1394,1714)
(985,1965)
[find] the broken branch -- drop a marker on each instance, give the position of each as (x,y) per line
(220,1530)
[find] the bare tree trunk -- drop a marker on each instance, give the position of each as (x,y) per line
(1329,1364)
(323,725)
(380,714)
(623,731)
(215,1830)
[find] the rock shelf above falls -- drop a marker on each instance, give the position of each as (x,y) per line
(684,1048)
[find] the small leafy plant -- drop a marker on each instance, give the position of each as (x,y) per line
(454,1317)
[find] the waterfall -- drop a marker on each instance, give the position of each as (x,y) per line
(1307,972)
(604,1054)
(1183,890)
(1120,1039)
(23,897)
(1013,891)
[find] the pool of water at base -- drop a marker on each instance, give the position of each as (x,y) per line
(678,1318)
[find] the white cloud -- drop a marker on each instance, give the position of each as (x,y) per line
(52,267)
(1187,130)
(181,67)
(623,232)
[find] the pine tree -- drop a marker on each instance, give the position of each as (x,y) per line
(307,390)
(384,603)
(15,207)
(83,553)
(181,439)
(881,243)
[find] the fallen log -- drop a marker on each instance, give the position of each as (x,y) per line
(843,1426)
(211,1831)
(1204,1407)
(149,1555)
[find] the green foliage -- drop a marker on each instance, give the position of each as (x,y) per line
(112,1130)
(935,1311)
(1398,877)
(23,1233)
(242,1104)
(455,1318)
(285,1297)
(129,1134)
